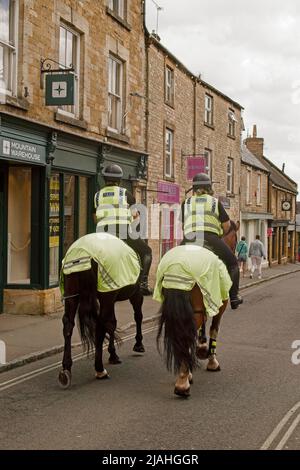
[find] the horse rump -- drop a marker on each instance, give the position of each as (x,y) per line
(180,332)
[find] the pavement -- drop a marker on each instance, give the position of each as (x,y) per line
(29,338)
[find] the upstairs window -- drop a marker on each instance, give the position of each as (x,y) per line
(258,190)
(115,86)
(169,88)
(208,114)
(8,46)
(248,187)
(69,56)
(208,161)
(231,123)
(118,7)
(169,153)
(229,173)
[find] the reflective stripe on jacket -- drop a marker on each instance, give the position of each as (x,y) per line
(112,207)
(201,213)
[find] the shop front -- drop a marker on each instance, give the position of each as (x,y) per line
(48,180)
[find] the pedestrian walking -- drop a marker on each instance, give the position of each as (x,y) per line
(256,253)
(242,255)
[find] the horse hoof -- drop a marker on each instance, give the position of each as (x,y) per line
(184,393)
(202,351)
(213,370)
(114,360)
(139,348)
(102,375)
(64,379)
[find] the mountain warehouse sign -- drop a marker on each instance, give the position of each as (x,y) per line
(22,151)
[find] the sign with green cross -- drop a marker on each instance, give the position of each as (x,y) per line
(60,89)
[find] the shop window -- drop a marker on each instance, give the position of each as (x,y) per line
(167,230)
(54,229)
(19,225)
(69,212)
(283,235)
(274,244)
(83,206)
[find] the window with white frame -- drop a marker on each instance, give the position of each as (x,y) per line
(8,46)
(208,114)
(115,87)
(208,160)
(248,187)
(169,153)
(169,89)
(118,7)
(229,174)
(69,56)
(258,190)
(231,123)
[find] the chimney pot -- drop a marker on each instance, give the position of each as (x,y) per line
(254,131)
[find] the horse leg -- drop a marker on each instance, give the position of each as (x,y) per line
(113,356)
(183,381)
(200,319)
(101,373)
(136,301)
(68,320)
(213,364)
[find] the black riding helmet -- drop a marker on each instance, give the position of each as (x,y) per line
(201,180)
(112,172)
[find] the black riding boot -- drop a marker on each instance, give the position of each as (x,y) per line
(147,260)
(235,298)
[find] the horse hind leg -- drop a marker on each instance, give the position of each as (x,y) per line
(113,356)
(65,376)
(183,382)
(137,301)
(213,363)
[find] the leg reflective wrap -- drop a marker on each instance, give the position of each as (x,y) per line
(212,346)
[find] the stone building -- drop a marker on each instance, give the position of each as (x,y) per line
(191,127)
(51,156)
(282,194)
(254,198)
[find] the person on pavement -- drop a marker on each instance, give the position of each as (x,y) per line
(256,253)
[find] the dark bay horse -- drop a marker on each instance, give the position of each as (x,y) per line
(95,309)
(183,317)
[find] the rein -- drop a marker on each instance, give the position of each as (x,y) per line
(69,296)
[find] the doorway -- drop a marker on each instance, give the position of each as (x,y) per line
(2,232)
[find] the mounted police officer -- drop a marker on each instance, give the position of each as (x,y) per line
(112,214)
(204,222)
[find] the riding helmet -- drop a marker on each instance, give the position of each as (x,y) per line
(112,172)
(201,180)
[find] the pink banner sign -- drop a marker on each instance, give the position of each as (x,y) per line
(168,192)
(196,164)
(269,232)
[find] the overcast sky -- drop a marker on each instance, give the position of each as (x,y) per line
(251,52)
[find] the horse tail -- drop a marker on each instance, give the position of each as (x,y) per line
(180,332)
(88,308)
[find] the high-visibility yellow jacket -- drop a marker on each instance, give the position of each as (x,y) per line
(201,213)
(184,266)
(118,264)
(112,207)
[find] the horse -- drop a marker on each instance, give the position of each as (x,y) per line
(184,313)
(83,276)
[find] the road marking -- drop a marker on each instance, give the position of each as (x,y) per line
(288,433)
(267,444)
(43,370)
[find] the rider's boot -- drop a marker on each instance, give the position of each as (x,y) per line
(145,289)
(235,298)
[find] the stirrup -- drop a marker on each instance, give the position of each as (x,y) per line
(145,289)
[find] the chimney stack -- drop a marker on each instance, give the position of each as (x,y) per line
(255,144)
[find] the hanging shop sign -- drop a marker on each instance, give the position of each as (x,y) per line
(196,164)
(60,89)
(168,192)
(13,149)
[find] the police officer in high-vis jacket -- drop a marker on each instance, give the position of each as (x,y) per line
(204,222)
(112,214)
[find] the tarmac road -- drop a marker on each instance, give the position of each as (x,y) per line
(253,403)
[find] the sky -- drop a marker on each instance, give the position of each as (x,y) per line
(251,52)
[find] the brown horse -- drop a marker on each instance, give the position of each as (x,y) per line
(183,316)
